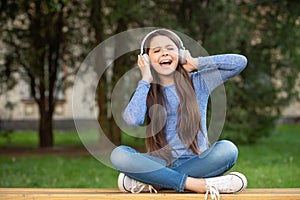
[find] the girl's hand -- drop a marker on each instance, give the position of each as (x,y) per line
(191,63)
(145,69)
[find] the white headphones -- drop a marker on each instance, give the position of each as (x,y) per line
(182,59)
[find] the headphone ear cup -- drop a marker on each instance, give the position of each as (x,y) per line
(147,59)
(182,58)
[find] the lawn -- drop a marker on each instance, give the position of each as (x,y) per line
(274,161)
(271,162)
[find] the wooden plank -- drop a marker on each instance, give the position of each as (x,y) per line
(113,194)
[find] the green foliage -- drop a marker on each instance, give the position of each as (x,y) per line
(37,36)
(266,33)
(256,98)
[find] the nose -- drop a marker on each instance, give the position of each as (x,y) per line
(165,52)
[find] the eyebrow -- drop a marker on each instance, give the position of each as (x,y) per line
(169,45)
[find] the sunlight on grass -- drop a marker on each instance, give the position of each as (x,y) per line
(271,162)
(56,171)
(30,139)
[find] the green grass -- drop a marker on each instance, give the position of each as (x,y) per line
(30,139)
(55,171)
(271,162)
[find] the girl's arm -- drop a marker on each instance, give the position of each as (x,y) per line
(135,111)
(134,114)
(217,69)
(228,65)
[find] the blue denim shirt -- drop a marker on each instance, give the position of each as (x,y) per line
(212,72)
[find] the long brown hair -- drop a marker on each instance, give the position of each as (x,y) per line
(189,121)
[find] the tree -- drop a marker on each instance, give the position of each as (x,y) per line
(266,33)
(37,34)
(122,15)
(263,31)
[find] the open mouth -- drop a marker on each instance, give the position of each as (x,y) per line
(166,63)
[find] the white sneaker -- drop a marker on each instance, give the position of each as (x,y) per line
(127,184)
(231,183)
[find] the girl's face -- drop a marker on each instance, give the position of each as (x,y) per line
(163,55)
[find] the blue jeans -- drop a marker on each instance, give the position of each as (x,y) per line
(214,161)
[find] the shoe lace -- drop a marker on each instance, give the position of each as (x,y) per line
(214,193)
(137,187)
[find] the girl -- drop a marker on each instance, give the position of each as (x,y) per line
(178,153)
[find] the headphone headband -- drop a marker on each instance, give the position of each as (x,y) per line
(146,37)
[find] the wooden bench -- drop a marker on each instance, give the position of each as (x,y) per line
(113,194)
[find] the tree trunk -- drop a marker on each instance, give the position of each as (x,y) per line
(45,128)
(118,70)
(102,104)
(97,24)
